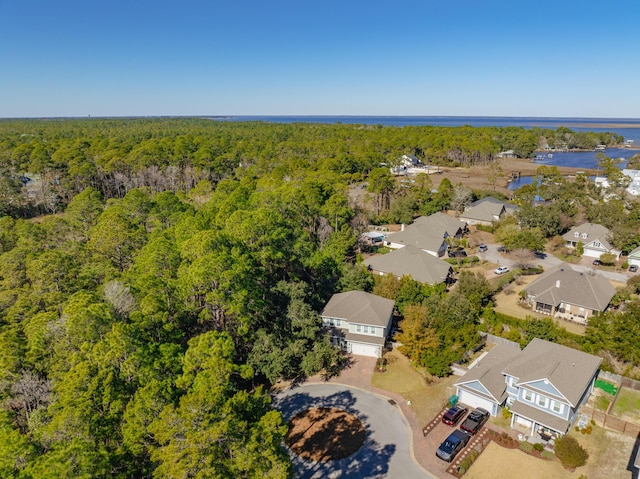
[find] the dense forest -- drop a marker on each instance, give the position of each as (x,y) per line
(177,270)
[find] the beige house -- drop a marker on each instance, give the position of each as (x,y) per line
(486,211)
(564,293)
(594,238)
(411,261)
(358,322)
(428,233)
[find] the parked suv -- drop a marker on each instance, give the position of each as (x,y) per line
(482,248)
(453,415)
(475,420)
(453,445)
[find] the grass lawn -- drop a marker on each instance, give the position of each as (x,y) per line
(497,462)
(609,453)
(627,405)
(402,378)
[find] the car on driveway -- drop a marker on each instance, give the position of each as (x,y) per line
(597,262)
(453,445)
(502,249)
(501,270)
(458,253)
(475,420)
(482,248)
(633,268)
(453,415)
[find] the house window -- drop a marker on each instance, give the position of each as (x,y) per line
(584,235)
(576,234)
(556,406)
(372,329)
(337,322)
(365,329)
(528,395)
(542,401)
(358,328)
(597,244)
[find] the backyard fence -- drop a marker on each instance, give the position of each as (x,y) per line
(611,422)
(620,380)
(502,341)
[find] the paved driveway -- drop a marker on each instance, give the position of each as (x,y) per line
(386,451)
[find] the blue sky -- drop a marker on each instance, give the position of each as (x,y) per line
(561,58)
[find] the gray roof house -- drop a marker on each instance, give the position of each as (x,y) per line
(428,233)
(486,211)
(595,239)
(411,261)
(565,293)
(441,224)
(358,322)
(544,385)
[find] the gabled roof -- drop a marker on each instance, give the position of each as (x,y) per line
(360,307)
(635,253)
(417,235)
(440,224)
(592,231)
(562,284)
(411,261)
(569,371)
(487,209)
(488,372)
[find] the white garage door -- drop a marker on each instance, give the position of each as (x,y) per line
(364,350)
(474,401)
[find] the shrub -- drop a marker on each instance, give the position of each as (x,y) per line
(570,452)
(526,447)
(506,413)
(538,447)
(547,455)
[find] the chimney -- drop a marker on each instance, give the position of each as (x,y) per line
(558,283)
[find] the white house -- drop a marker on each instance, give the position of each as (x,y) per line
(358,322)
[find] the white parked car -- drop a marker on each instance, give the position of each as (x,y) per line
(501,270)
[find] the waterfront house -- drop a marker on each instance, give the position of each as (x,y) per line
(358,322)
(562,292)
(543,385)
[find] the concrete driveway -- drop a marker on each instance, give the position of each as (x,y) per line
(386,450)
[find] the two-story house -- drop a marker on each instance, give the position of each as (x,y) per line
(358,322)
(594,238)
(543,385)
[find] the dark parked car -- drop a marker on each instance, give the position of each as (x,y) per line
(452,445)
(502,249)
(597,262)
(453,415)
(475,420)
(633,268)
(458,253)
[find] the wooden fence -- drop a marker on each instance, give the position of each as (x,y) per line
(611,422)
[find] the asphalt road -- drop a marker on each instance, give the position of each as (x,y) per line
(549,261)
(386,450)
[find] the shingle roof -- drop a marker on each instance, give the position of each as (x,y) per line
(592,231)
(549,420)
(562,284)
(487,209)
(419,236)
(411,261)
(359,307)
(440,224)
(570,371)
(488,371)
